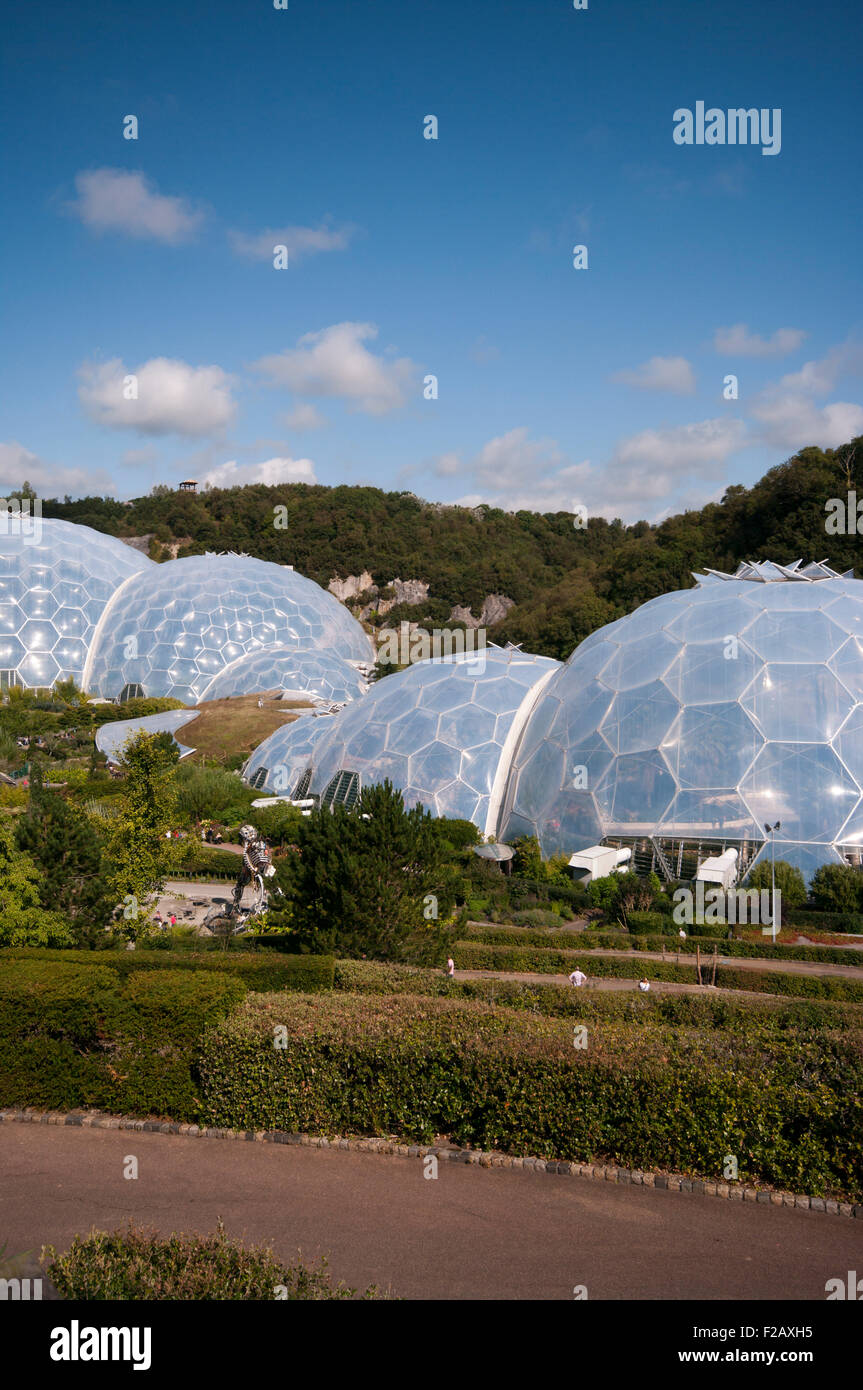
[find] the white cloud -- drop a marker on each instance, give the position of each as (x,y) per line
(649,465)
(300,241)
(794,421)
(737,341)
(271,472)
(673,466)
(305,416)
(172,397)
(673,374)
(19,465)
(787,409)
(120,200)
(447,466)
(336,362)
(819,377)
(517,473)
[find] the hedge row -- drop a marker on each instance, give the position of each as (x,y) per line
(257,970)
(826,921)
(612,941)
(705,1010)
(86,1035)
(790,1110)
(474,956)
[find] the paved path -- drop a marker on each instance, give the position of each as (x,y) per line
(604,983)
(852,971)
(470,1234)
(785,967)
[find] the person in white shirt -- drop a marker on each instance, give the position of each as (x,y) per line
(644,986)
(450,968)
(578,978)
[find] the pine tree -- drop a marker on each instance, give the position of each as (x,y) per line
(371,881)
(68,855)
(23,922)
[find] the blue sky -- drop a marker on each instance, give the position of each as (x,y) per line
(258,127)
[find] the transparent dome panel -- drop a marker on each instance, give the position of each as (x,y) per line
(797,703)
(711,745)
(806,789)
(639,719)
(789,636)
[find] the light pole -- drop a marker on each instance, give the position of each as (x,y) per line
(771,831)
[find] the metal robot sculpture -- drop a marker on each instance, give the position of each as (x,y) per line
(256,868)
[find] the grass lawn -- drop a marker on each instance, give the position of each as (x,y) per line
(225,728)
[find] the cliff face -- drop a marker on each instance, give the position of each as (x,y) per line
(415,591)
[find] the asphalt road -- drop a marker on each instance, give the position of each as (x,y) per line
(471,1233)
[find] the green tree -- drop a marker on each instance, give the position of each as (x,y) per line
(527,861)
(23,921)
(789,881)
(369,881)
(68,854)
(837,888)
(140,854)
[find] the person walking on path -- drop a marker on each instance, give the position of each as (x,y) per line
(450,968)
(578,978)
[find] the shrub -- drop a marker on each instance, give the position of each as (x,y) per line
(141,1265)
(211,792)
(738,1013)
(804,917)
(536,917)
(499,1078)
(642,923)
(76,1035)
(258,970)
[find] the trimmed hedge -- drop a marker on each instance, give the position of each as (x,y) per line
(471,956)
(611,941)
(87,1036)
(707,1010)
(257,970)
(825,921)
(790,1109)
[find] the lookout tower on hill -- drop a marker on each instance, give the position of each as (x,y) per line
(189,485)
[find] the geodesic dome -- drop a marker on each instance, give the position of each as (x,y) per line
(706,715)
(439,730)
(320,676)
(279,764)
(187,620)
(56,581)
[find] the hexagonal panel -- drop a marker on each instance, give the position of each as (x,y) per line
(639,719)
(718,671)
(640,661)
(789,636)
(710,815)
(806,788)
(711,745)
(636,791)
(797,703)
(848,666)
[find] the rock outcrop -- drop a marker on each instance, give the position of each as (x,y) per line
(352,586)
(494,608)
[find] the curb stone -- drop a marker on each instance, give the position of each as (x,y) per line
(478,1158)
